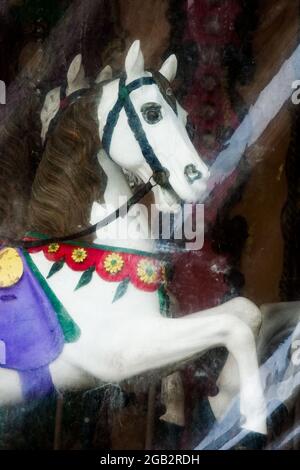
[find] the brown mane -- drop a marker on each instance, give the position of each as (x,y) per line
(20,152)
(69,178)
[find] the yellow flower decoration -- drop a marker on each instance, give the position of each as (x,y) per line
(147,271)
(79,255)
(113,263)
(53,247)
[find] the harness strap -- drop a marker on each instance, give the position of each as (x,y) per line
(114,114)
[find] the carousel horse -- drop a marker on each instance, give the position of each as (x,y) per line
(114,290)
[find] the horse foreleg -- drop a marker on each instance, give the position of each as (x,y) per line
(229,381)
(159,342)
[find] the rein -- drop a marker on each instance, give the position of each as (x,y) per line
(160,175)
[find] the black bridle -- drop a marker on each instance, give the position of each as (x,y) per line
(160,175)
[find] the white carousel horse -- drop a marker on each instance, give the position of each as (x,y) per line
(123,339)
(76,80)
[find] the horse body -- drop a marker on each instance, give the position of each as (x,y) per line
(129,337)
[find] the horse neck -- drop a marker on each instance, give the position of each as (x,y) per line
(117,192)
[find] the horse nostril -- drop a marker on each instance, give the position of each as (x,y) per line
(192,174)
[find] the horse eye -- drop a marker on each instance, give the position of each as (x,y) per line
(151,113)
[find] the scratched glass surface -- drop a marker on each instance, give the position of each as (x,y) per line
(149,224)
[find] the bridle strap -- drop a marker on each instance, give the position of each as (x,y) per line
(140,136)
(124,102)
(114,114)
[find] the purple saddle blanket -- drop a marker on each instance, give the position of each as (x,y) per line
(31,336)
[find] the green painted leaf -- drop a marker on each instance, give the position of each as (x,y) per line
(164,301)
(121,289)
(85,278)
(56,267)
(70,329)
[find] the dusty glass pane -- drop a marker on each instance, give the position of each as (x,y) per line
(149,224)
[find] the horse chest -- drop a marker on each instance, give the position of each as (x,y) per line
(95,301)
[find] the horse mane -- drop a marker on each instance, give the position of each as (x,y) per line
(69,178)
(20,151)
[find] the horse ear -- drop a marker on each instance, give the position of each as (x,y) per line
(49,109)
(134,63)
(169,68)
(75,70)
(52,100)
(105,74)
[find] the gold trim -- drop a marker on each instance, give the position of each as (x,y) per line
(11,267)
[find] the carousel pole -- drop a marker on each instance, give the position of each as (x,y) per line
(58,421)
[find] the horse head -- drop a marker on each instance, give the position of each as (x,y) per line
(143,129)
